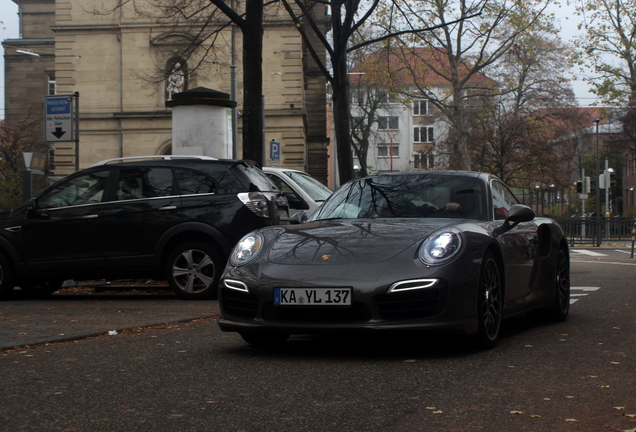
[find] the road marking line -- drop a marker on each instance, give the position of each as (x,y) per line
(587,252)
(585,292)
(605,262)
(585,288)
(623,251)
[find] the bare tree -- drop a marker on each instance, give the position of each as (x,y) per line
(22,136)
(466,38)
(346,22)
(526,139)
(609,48)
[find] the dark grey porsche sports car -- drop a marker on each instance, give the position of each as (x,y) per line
(432,250)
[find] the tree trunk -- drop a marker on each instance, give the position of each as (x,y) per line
(253,109)
(341,112)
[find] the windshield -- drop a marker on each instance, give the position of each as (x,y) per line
(407,196)
(316,190)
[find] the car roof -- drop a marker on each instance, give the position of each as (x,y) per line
(281,170)
(152,158)
(458,173)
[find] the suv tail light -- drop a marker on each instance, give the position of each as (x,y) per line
(256,202)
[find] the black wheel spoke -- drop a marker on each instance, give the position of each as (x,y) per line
(490,307)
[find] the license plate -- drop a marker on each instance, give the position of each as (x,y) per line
(312,296)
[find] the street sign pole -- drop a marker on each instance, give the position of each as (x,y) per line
(583,205)
(77,152)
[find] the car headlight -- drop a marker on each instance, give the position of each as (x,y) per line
(246,249)
(440,246)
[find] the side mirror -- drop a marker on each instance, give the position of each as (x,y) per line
(300,217)
(32,207)
(295,202)
(518,213)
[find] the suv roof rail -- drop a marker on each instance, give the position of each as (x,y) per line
(155,157)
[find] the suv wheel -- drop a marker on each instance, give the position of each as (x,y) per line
(193,271)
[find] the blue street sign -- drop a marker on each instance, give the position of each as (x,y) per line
(274,150)
(58,118)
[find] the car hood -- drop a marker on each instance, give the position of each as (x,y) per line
(346,241)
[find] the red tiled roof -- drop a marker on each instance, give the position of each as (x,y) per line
(425,66)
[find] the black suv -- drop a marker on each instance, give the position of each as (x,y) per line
(168,217)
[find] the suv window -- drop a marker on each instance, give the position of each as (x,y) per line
(194,182)
(85,189)
(144,183)
(258,179)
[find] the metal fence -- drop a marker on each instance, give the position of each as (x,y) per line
(586,229)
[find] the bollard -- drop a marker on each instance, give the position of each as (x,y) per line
(633,239)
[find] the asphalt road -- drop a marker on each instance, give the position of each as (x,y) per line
(183,374)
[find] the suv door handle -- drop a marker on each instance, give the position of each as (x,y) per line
(168,207)
(90,216)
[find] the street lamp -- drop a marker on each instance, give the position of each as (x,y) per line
(598,187)
(27,52)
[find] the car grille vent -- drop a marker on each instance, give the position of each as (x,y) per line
(356,313)
(409,305)
(238,303)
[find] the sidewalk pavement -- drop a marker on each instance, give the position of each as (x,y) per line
(605,244)
(73,314)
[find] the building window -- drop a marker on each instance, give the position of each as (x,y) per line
(420,107)
(388,122)
(423,161)
(52,86)
(357,95)
(423,134)
(386,150)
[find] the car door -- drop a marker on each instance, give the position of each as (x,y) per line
(61,230)
(142,208)
(519,246)
(292,192)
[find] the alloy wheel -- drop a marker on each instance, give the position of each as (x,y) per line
(193,271)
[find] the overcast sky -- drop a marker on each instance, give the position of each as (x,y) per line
(9,29)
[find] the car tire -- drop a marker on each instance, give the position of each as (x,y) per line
(265,339)
(561,307)
(489,303)
(6,277)
(193,271)
(39,289)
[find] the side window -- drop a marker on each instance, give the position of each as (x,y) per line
(194,182)
(280,184)
(85,189)
(136,183)
(502,200)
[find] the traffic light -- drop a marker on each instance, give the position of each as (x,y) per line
(584,186)
(607,179)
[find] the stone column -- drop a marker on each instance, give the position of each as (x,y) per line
(202,123)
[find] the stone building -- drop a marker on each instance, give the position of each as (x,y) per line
(126,63)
